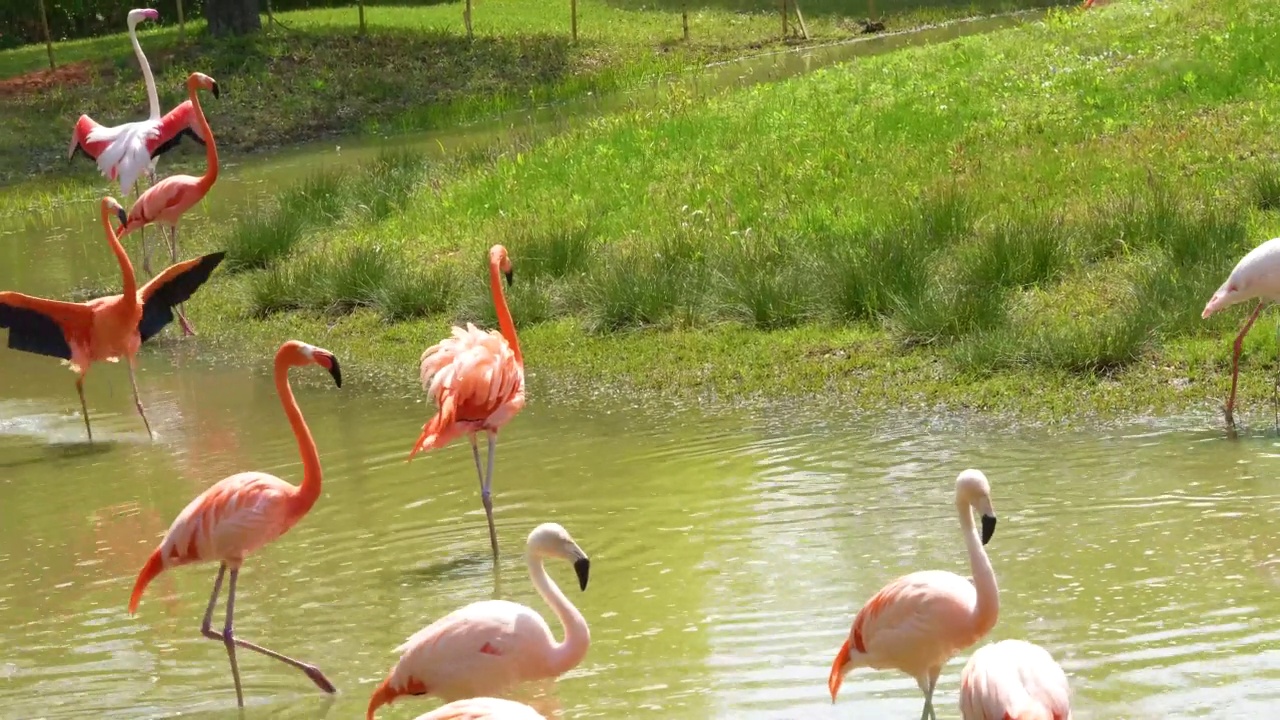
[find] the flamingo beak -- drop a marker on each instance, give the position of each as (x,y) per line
(213,88)
(583,569)
(988,528)
(124,217)
(329,362)
(510,277)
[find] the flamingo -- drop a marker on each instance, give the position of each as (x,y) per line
(165,202)
(477,381)
(487,646)
(920,621)
(244,512)
(1257,275)
(104,328)
(483,708)
(124,151)
(1014,680)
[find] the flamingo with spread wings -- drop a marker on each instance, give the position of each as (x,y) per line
(168,200)
(242,513)
(105,328)
(476,379)
(489,646)
(1014,680)
(920,621)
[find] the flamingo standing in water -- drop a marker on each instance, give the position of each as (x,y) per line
(483,708)
(1014,680)
(124,152)
(488,646)
(1257,275)
(105,328)
(920,621)
(165,202)
(241,513)
(477,381)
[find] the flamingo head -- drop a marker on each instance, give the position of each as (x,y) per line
(973,492)
(200,80)
(498,257)
(839,668)
(552,540)
(1231,292)
(137,15)
(111,205)
(296,353)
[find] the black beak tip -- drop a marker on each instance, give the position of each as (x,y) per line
(988,528)
(124,217)
(510,277)
(335,371)
(217,92)
(583,569)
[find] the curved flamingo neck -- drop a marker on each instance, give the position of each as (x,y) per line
(153,100)
(987,609)
(505,323)
(130,290)
(309,490)
(577,636)
(210,147)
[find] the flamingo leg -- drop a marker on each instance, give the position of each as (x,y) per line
(227,636)
(485,487)
(84,407)
(187,329)
(206,628)
(137,401)
(1235,359)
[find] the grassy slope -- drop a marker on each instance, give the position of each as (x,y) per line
(767,236)
(414,70)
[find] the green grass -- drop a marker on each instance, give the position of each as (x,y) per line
(1029,220)
(415,69)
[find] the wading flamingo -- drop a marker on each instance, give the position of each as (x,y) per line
(124,152)
(105,328)
(244,512)
(483,708)
(1257,275)
(165,202)
(476,379)
(488,646)
(1014,680)
(920,621)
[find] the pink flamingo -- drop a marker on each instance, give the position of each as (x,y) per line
(1257,275)
(477,381)
(241,513)
(483,708)
(1014,680)
(168,200)
(920,621)
(487,646)
(123,152)
(105,328)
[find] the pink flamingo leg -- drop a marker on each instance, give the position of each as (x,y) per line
(1235,359)
(926,686)
(137,401)
(84,407)
(187,328)
(146,249)
(227,636)
(486,482)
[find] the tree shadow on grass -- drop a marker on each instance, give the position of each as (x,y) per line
(838,8)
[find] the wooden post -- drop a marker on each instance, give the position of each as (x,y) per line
(804,29)
(684,19)
(182,26)
(271,16)
(362,25)
(573,8)
(784,19)
(466,16)
(48,37)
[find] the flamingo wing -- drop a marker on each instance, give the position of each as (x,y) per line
(176,284)
(920,618)
(41,326)
(173,127)
(126,155)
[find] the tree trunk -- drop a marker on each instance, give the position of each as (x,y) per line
(182,25)
(48,39)
(232,17)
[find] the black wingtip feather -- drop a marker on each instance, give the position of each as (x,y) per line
(158,311)
(33,332)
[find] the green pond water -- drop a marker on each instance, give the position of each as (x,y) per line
(730,546)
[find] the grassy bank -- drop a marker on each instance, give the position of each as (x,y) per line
(415,69)
(1029,221)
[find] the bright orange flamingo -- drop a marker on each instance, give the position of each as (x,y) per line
(105,328)
(488,646)
(168,200)
(241,513)
(1014,680)
(483,708)
(476,379)
(920,621)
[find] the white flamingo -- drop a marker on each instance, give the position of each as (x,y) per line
(1257,275)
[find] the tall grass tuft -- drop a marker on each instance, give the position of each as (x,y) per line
(382,187)
(636,284)
(355,276)
(1266,187)
(412,291)
(768,283)
(562,250)
(261,237)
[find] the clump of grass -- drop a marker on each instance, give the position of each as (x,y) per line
(636,285)
(317,199)
(385,185)
(1265,187)
(261,237)
(355,276)
(767,282)
(413,290)
(562,250)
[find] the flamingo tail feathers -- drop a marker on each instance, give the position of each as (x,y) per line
(836,678)
(436,431)
(154,566)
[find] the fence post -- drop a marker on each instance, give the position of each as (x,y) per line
(784,19)
(182,26)
(362,26)
(684,19)
(573,8)
(466,15)
(271,16)
(48,38)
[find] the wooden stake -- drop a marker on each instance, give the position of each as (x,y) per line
(466,16)
(182,26)
(362,26)
(784,19)
(573,8)
(804,31)
(684,19)
(48,37)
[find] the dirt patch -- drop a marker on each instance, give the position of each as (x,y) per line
(37,80)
